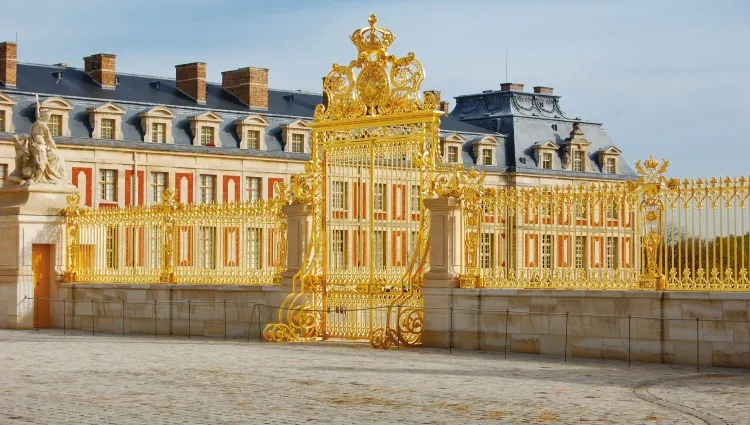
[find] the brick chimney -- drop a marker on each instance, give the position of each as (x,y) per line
(249,84)
(101,67)
(435,93)
(8,59)
(191,80)
(444,106)
(542,90)
(511,87)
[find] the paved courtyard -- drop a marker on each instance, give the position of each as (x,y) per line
(48,378)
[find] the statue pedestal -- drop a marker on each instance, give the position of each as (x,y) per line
(32,253)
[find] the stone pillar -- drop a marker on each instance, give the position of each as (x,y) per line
(29,215)
(299,226)
(444,268)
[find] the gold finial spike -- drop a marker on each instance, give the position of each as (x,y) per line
(373,20)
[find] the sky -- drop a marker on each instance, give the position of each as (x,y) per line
(668,78)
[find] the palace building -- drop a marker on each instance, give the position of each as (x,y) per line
(231,141)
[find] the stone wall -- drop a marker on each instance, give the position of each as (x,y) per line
(206,309)
(662,325)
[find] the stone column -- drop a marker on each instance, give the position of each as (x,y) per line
(29,215)
(444,268)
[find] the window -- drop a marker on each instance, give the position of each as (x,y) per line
(158,184)
(206,243)
(578,157)
(581,211)
(547,160)
(487,251)
(159,132)
(413,244)
(253,139)
(612,211)
(338,248)
(2,121)
(156,247)
(379,247)
(486,156)
(415,198)
(610,166)
(554,127)
(452,153)
(207,188)
(298,141)
(55,124)
(3,172)
(580,252)
(252,188)
(111,247)
(547,251)
(548,210)
(207,136)
(612,253)
(108,185)
(254,242)
(338,199)
(378,197)
(108,129)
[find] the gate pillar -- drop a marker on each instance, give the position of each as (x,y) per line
(439,282)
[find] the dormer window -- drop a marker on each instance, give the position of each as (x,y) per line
(6,114)
(578,160)
(547,161)
(157,125)
(252,132)
(298,142)
(545,154)
(486,156)
(575,153)
(296,137)
(206,128)
(484,150)
(106,121)
(59,109)
(609,159)
(450,148)
(207,136)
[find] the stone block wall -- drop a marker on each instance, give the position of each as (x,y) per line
(662,326)
(205,312)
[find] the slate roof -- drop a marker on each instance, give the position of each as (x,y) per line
(529,119)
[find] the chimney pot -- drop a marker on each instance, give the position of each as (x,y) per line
(543,90)
(444,106)
(101,67)
(8,63)
(511,87)
(249,85)
(191,80)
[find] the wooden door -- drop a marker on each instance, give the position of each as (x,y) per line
(40,266)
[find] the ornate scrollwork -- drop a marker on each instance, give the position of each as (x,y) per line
(297,320)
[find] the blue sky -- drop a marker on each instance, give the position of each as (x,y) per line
(670,78)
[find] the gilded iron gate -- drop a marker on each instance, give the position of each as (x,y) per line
(373,154)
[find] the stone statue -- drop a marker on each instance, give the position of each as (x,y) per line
(566,158)
(37,158)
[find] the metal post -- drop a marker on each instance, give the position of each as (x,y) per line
(450,337)
(122,314)
(64,315)
(566,336)
(628,340)
(36,313)
(697,345)
(507,318)
(398,328)
(260,330)
(250,323)
(154,319)
(225,320)
(93,317)
(188,319)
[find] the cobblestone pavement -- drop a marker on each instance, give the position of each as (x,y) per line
(48,378)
